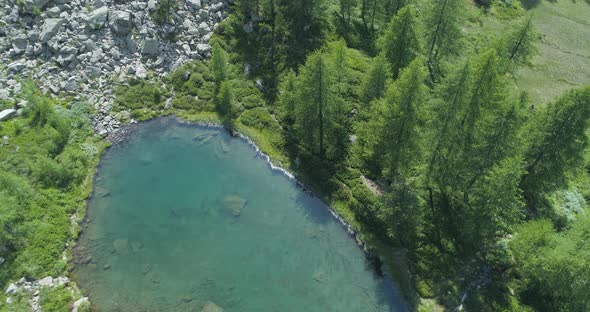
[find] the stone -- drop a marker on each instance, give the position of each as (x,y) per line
(4,94)
(50,28)
(121,246)
(151,5)
(140,71)
(150,47)
(46,281)
(12,289)
(120,22)
(7,113)
(194,4)
(16,67)
(78,303)
(8,300)
(234,204)
(71,85)
(53,12)
(203,28)
(61,280)
(20,42)
(211,307)
(203,48)
(97,18)
(248,28)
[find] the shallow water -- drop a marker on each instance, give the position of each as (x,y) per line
(186,218)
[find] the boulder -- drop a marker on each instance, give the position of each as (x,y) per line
(20,42)
(150,47)
(12,289)
(194,4)
(7,113)
(211,307)
(71,85)
(15,67)
(4,94)
(53,12)
(97,18)
(203,48)
(46,281)
(204,28)
(121,246)
(120,22)
(234,204)
(50,28)
(78,303)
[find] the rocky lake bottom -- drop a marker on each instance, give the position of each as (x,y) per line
(187,218)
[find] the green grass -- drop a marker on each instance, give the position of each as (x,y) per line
(563,58)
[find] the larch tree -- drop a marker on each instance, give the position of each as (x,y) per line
(225,100)
(373,86)
(556,139)
(404,105)
(401,42)
(518,45)
(443,33)
(314,96)
(219,64)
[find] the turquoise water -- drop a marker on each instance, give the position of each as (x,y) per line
(187,218)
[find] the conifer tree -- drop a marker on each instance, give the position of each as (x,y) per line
(401,42)
(373,86)
(404,101)
(218,64)
(517,47)
(556,141)
(225,100)
(314,99)
(443,33)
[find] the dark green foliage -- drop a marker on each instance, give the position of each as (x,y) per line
(442,33)
(401,42)
(225,100)
(374,83)
(556,140)
(218,64)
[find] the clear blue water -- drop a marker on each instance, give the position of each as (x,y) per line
(187,218)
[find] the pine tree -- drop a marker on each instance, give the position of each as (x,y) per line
(401,41)
(218,64)
(556,141)
(346,8)
(443,33)
(373,86)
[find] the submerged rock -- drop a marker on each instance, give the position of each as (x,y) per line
(211,307)
(121,246)
(234,204)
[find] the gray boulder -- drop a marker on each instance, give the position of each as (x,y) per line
(97,18)
(120,22)
(20,42)
(53,12)
(15,67)
(50,28)
(5,115)
(194,4)
(150,47)
(12,288)
(4,94)
(71,85)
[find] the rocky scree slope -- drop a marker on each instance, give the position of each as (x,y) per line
(78,47)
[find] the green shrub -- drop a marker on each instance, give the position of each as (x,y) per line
(55,299)
(140,94)
(259,118)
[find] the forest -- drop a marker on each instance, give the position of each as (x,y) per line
(469,191)
(484,190)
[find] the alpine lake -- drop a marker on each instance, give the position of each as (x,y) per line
(189,218)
